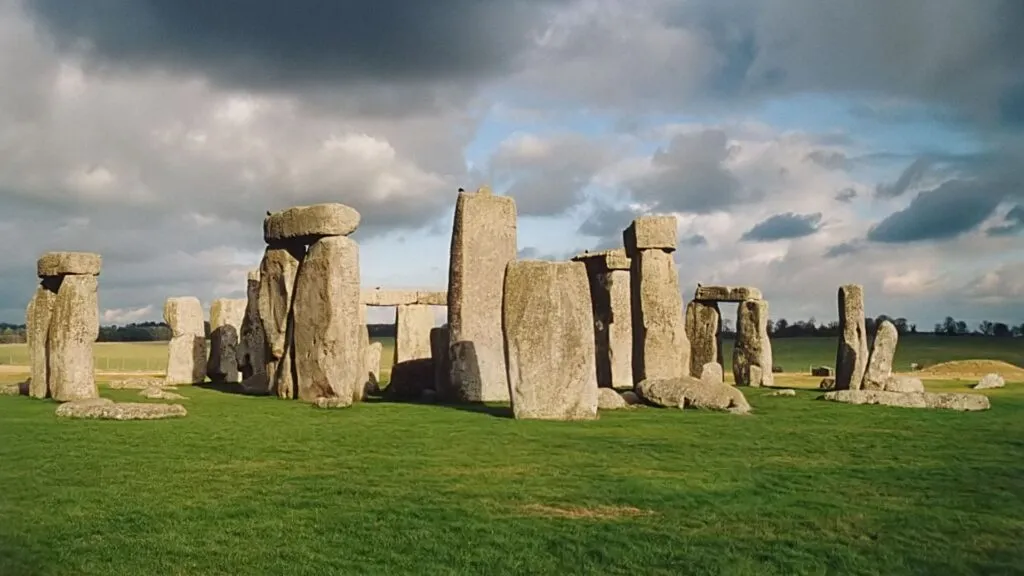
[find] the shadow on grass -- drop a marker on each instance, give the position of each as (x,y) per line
(226,388)
(498,411)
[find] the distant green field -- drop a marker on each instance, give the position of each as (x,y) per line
(792,354)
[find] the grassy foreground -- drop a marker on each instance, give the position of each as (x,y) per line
(248,485)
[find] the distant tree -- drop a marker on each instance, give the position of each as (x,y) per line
(986,327)
(901,325)
(961,328)
(1001,330)
(913,328)
(781,325)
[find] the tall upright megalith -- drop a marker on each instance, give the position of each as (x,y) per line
(548,325)
(187,351)
(852,352)
(608,274)
(226,317)
(879,367)
(661,349)
(703,328)
(62,325)
(752,354)
(251,342)
(278,270)
(483,243)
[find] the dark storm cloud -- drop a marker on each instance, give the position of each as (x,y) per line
(843,249)
(1014,223)
(783,227)
(911,175)
(952,209)
(270,43)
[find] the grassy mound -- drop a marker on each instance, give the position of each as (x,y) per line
(973,369)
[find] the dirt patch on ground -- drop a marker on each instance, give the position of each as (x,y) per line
(581,512)
(972,369)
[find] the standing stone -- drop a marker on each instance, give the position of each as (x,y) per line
(37,321)
(752,355)
(329,358)
(278,270)
(74,327)
(661,349)
(251,343)
(372,367)
(187,350)
(366,383)
(226,317)
(439,339)
(703,328)
(852,354)
(713,373)
(608,273)
(880,362)
(548,328)
(413,368)
(483,243)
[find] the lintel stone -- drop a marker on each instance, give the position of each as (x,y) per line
(306,224)
(727,293)
(62,263)
(650,233)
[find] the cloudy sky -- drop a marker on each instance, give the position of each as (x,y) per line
(801,143)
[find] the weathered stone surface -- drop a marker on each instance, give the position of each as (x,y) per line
(661,348)
(328,356)
(306,224)
(252,346)
(822,371)
(615,259)
(549,337)
(226,316)
(16,389)
(827,384)
(631,398)
(140,383)
(712,372)
(413,324)
(752,354)
(613,331)
(410,378)
(961,402)
(439,339)
(989,381)
(880,362)
(61,263)
(689,392)
(609,399)
(37,322)
(105,409)
(852,353)
(383,297)
(74,327)
(703,327)
(786,392)
(160,393)
(483,243)
(895,383)
(187,350)
(652,233)
(432,298)
(278,270)
(372,385)
(332,402)
(726,293)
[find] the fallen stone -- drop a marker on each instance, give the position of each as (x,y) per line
(278,271)
(610,305)
(896,383)
(483,243)
(726,293)
(882,353)
(105,409)
(160,393)
(307,224)
(960,402)
(137,383)
(609,399)
(689,392)
(226,317)
(752,355)
(332,402)
(852,353)
(549,337)
(17,389)
(74,327)
(631,398)
(822,371)
(252,344)
(188,350)
(37,322)
(989,381)
(63,263)
(329,360)
(652,233)
(786,392)
(712,373)
(661,348)
(703,326)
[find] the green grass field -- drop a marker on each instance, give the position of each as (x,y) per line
(248,485)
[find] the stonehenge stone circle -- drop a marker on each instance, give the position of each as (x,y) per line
(226,317)
(852,353)
(661,348)
(880,361)
(703,327)
(548,327)
(752,355)
(483,243)
(251,343)
(327,329)
(278,270)
(608,274)
(307,224)
(187,350)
